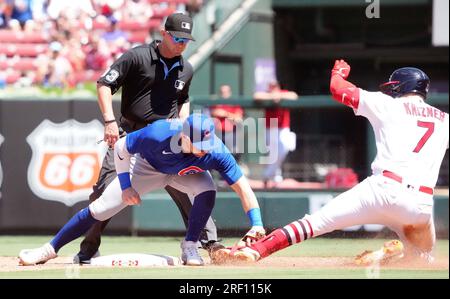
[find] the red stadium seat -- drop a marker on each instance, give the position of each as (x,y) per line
(96,25)
(138,36)
(132,25)
(12,78)
(161,14)
(169,1)
(29,50)
(87,76)
(25,64)
(4,65)
(9,36)
(139,26)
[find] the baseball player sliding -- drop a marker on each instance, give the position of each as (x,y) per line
(411,139)
(165,153)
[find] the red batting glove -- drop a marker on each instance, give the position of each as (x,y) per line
(341,68)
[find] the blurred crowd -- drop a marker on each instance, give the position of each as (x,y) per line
(83,36)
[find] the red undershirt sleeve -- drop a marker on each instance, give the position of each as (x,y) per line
(344,92)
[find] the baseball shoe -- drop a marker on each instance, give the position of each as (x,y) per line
(391,250)
(213,247)
(28,257)
(190,255)
(246,254)
(221,256)
(82,258)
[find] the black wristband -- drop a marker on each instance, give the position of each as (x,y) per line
(109,121)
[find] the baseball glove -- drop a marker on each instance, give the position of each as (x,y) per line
(226,255)
(253,235)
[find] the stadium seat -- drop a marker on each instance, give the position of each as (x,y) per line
(139,26)
(3,65)
(169,1)
(25,64)
(161,14)
(10,36)
(12,78)
(138,36)
(30,50)
(96,25)
(87,76)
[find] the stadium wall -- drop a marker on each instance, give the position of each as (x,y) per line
(50,157)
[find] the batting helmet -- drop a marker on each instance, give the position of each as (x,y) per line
(406,80)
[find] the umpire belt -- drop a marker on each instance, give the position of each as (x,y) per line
(130,125)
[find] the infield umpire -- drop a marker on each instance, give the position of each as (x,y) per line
(155,82)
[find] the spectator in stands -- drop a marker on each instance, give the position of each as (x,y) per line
(5,13)
(21,16)
(137,11)
(71,9)
(2,79)
(75,55)
(193,7)
(110,8)
(98,54)
(59,70)
(228,120)
(114,35)
(280,139)
(26,80)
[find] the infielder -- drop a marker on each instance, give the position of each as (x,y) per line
(411,139)
(165,153)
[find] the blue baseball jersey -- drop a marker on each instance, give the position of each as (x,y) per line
(153,143)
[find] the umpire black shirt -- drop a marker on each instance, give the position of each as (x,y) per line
(152,87)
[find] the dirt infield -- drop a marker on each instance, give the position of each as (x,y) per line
(10,264)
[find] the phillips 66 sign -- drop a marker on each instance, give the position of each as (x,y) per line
(66,160)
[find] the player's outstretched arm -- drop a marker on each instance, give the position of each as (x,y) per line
(122,160)
(251,208)
(343,91)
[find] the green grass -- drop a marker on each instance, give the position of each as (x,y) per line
(321,247)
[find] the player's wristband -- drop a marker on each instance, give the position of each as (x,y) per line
(109,121)
(124,179)
(255,217)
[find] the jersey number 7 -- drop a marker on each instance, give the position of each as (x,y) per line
(430,129)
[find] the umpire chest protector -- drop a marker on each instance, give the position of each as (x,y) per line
(152,86)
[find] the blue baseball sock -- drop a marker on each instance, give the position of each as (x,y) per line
(200,212)
(75,227)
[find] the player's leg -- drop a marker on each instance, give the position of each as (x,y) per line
(357,206)
(412,219)
(200,187)
(109,204)
(208,237)
(92,240)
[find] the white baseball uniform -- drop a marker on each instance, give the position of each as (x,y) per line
(411,139)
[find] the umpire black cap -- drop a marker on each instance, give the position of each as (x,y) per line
(180,25)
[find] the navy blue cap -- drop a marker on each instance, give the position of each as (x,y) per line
(201,130)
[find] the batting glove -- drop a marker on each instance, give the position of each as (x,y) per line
(341,68)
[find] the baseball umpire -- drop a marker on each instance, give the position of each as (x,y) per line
(155,82)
